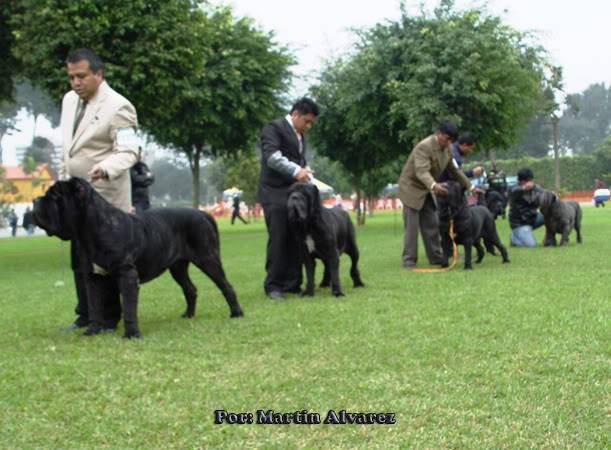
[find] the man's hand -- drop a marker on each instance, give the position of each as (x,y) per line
(477,171)
(304,175)
(96,173)
(439,189)
(478,191)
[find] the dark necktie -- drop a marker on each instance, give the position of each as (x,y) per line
(79,117)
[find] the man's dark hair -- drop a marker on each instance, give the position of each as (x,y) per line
(84,54)
(467,138)
(305,105)
(525,174)
(447,127)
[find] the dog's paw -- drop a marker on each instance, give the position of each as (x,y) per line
(187,315)
(235,314)
(324,284)
(445,264)
(360,284)
(338,294)
(468,267)
(505,261)
(307,293)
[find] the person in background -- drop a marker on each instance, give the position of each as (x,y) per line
(12,221)
(28,221)
(142,178)
(524,216)
(236,210)
(463,147)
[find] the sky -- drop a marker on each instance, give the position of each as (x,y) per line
(575,33)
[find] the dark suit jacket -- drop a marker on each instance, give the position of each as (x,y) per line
(278,135)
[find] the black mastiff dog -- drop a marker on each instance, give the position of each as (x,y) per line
(471,225)
(322,233)
(560,217)
(134,249)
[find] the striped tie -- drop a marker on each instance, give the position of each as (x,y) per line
(79,117)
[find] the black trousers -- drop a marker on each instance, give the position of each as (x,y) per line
(236,215)
(282,261)
(101,285)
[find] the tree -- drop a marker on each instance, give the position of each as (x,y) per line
(201,81)
(239,88)
(8,118)
(243,173)
(171,181)
(8,64)
(587,119)
(38,104)
(405,76)
(602,157)
(148,47)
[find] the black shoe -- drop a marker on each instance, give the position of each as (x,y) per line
(295,290)
(275,295)
(74,326)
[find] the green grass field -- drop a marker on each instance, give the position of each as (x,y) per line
(504,356)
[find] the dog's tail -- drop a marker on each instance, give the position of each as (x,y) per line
(212,222)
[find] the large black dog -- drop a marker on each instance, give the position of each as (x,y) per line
(560,217)
(134,248)
(322,233)
(471,225)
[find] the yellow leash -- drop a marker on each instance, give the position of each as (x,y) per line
(454,255)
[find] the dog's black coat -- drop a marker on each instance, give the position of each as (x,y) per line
(560,217)
(471,225)
(134,248)
(322,233)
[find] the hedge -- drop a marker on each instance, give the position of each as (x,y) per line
(577,173)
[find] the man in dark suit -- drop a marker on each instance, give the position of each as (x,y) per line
(283,163)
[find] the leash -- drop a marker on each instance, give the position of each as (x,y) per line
(454,255)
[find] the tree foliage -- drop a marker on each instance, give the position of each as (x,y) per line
(405,76)
(587,120)
(202,81)
(243,173)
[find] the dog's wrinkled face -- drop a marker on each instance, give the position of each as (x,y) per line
(454,201)
(495,203)
(303,203)
(545,200)
(61,209)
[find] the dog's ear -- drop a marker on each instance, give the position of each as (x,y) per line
(314,200)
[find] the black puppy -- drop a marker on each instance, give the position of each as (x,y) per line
(322,233)
(560,217)
(134,248)
(471,225)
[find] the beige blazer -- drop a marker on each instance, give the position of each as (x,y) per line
(425,163)
(106,135)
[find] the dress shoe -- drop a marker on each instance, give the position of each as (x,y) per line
(73,326)
(295,290)
(275,295)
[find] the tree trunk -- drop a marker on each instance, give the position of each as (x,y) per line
(371,205)
(556,128)
(194,164)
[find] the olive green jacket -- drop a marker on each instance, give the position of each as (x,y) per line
(424,165)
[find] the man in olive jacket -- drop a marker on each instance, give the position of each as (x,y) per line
(429,158)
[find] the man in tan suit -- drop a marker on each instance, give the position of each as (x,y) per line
(100,144)
(429,158)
